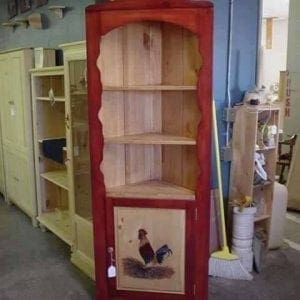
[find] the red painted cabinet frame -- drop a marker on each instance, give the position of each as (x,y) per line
(198,18)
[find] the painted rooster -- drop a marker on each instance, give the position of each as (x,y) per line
(147,252)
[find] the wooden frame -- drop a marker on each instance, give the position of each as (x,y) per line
(196,17)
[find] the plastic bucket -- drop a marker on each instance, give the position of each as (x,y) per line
(243,223)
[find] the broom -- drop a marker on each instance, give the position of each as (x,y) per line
(222,263)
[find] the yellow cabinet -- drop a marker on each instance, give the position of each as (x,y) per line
(17,175)
(18,182)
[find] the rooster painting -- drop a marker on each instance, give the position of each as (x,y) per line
(147,252)
(150,268)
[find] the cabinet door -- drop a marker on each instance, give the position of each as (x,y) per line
(78,139)
(151,248)
(18,180)
(13,102)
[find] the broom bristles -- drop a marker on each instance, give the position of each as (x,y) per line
(230,269)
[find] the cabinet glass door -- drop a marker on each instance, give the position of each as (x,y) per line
(79,135)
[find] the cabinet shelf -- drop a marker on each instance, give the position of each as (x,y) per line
(264,184)
(151,88)
(56,99)
(153,189)
(151,138)
(266,149)
(59,223)
(262,218)
(79,93)
(59,178)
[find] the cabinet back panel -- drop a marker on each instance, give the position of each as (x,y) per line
(180,165)
(181,59)
(142,112)
(45,84)
(180,113)
(53,197)
(142,53)
(143,162)
(50,119)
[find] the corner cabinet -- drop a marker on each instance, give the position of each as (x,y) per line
(18,180)
(78,155)
(150,92)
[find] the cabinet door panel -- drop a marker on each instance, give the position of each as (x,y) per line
(150,249)
(153,248)
(13,107)
(18,180)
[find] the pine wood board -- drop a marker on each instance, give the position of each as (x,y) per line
(151,138)
(60,226)
(151,88)
(59,178)
(153,189)
(56,99)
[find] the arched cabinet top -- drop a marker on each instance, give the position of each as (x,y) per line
(194,16)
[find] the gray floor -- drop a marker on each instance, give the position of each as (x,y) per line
(36,265)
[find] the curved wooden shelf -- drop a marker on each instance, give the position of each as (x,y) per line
(152,189)
(59,178)
(150,139)
(151,88)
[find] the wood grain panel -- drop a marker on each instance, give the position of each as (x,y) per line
(110,61)
(113,165)
(142,112)
(190,115)
(143,162)
(111,113)
(191,58)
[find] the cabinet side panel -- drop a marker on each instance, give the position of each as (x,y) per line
(111,114)
(110,61)
(191,58)
(113,165)
(172,54)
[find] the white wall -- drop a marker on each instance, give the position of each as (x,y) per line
(272,61)
(292,124)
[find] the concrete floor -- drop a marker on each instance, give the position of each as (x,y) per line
(36,265)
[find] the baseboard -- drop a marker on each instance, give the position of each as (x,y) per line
(84,263)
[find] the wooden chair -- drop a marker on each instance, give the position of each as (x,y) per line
(285,159)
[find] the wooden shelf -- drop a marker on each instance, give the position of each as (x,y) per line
(153,189)
(50,138)
(151,88)
(56,99)
(59,178)
(59,223)
(79,93)
(262,218)
(151,138)
(266,149)
(264,184)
